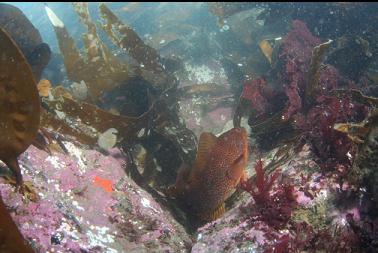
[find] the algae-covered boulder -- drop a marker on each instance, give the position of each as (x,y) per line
(88,204)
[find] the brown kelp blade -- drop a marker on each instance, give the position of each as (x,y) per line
(11,240)
(356,96)
(126,38)
(150,63)
(95,65)
(223,9)
(315,69)
(85,121)
(19,102)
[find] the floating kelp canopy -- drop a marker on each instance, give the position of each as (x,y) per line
(128,40)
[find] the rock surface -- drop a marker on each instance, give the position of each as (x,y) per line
(240,230)
(88,204)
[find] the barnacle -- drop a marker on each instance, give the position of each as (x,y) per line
(19,104)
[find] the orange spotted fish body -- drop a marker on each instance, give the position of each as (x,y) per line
(218,167)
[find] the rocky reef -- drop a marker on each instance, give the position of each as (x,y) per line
(89,163)
(88,204)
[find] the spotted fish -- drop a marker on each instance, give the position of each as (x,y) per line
(217,170)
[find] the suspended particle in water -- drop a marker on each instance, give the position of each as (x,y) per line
(226,27)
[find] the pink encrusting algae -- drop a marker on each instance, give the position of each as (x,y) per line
(85,206)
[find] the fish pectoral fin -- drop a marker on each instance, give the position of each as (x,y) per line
(205,145)
(237,169)
(213,214)
(244,177)
(234,176)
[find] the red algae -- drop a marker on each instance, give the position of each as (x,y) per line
(294,57)
(258,92)
(245,226)
(273,208)
(315,119)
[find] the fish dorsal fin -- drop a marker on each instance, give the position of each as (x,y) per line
(205,145)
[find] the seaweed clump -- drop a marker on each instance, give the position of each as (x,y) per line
(224,10)
(146,111)
(309,104)
(274,205)
(303,103)
(273,208)
(97,67)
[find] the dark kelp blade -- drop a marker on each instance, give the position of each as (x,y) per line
(26,36)
(86,121)
(19,103)
(11,240)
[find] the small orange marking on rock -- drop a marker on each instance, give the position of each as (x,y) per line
(105,184)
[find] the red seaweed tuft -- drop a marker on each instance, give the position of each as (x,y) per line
(273,208)
(315,121)
(263,184)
